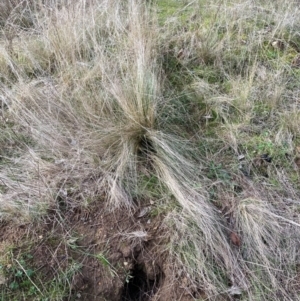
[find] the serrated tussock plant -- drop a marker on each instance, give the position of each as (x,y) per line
(87,96)
(98,117)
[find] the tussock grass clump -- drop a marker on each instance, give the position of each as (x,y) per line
(96,95)
(269,248)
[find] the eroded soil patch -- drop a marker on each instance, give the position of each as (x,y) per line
(99,255)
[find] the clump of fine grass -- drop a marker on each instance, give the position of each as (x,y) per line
(96,88)
(269,247)
(98,121)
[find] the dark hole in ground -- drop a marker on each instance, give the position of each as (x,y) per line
(138,287)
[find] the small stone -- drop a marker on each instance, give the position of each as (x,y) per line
(279,45)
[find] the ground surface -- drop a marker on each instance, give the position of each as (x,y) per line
(113,256)
(149,152)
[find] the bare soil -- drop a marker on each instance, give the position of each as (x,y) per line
(121,255)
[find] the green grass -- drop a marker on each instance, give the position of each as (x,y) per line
(23,281)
